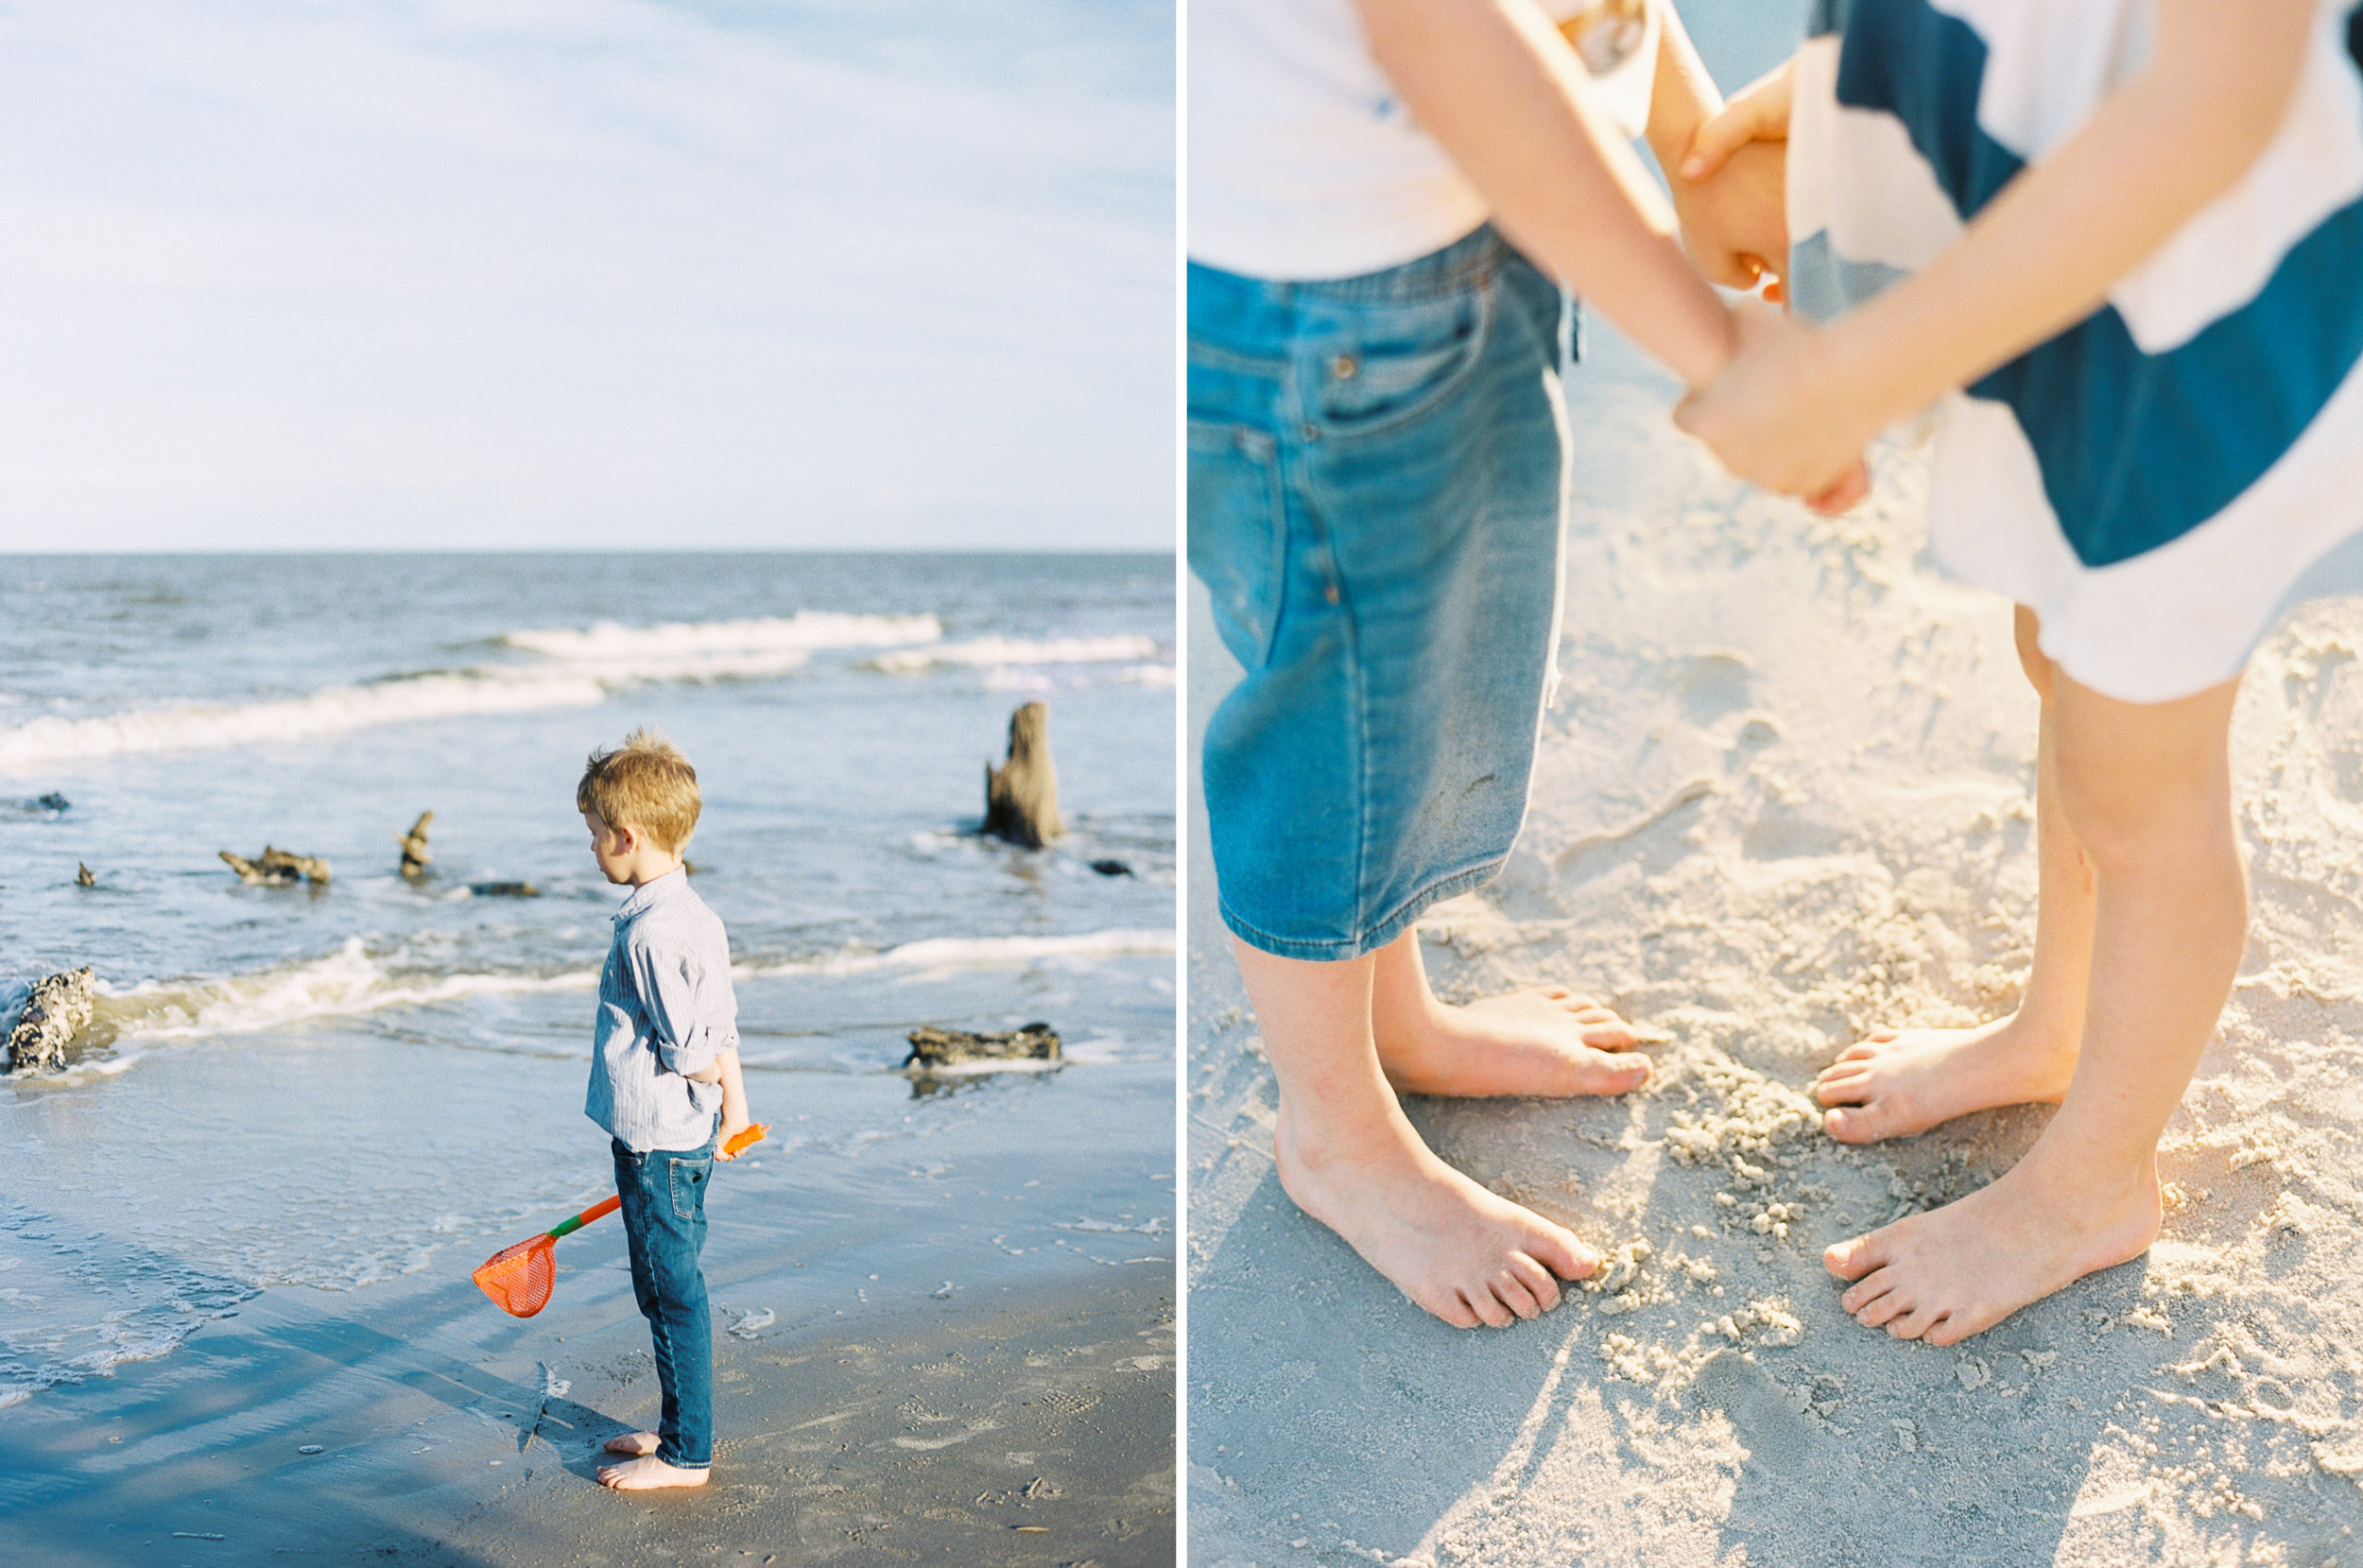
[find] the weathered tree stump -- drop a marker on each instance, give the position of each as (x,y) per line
(1112,867)
(59,1006)
(277,868)
(414,856)
(54,802)
(1022,795)
(934,1047)
(84,876)
(503,890)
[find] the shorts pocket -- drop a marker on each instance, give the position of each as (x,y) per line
(1238,537)
(689,1186)
(1402,360)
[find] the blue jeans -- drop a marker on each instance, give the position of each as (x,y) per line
(1377,482)
(665,1225)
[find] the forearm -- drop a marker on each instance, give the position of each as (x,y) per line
(2045,251)
(733,1086)
(1493,82)
(1682,96)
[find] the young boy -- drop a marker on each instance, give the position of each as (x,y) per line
(665,1061)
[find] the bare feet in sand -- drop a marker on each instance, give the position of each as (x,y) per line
(1462,1253)
(632,1442)
(1904,1082)
(1960,1269)
(1547,1040)
(647,1472)
(1343,1039)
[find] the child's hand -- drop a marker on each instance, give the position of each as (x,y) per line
(734,1121)
(1757,113)
(1732,189)
(736,1116)
(1735,221)
(1777,416)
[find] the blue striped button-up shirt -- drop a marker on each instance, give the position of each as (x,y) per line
(665,1010)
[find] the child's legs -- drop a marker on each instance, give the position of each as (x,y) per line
(2147,791)
(1901,1081)
(1349,1157)
(665,1225)
(2066,893)
(1377,485)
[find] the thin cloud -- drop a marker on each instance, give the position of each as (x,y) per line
(567,274)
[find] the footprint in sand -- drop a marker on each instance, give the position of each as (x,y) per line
(1762,1413)
(1710,685)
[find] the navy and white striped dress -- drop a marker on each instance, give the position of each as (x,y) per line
(2157,481)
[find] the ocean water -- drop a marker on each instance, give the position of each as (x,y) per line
(338,1089)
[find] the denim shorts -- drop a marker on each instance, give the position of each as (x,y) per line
(1378,478)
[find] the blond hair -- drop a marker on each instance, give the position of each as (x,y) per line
(648,784)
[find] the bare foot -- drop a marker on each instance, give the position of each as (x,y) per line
(1465,1254)
(1547,1040)
(1903,1081)
(632,1442)
(646,1474)
(1960,1269)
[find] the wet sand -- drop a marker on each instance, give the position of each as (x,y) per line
(1025,1422)
(1785,797)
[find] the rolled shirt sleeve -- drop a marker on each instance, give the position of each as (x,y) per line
(692,1010)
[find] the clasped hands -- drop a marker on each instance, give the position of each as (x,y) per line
(1779,414)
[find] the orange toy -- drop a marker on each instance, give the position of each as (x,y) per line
(519,1279)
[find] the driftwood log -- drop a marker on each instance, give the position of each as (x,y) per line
(414,856)
(934,1047)
(1022,795)
(503,890)
(277,868)
(84,876)
(58,1006)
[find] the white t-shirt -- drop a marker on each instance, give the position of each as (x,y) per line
(1304,163)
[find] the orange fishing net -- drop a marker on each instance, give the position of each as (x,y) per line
(518,1279)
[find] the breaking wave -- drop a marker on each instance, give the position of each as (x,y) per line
(987,652)
(720,650)
(940,955)
(571,669)
(344,982)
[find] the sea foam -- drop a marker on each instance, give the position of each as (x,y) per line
(941,954)
(351,981)
(342,984)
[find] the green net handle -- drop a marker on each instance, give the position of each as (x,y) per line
(600,1210)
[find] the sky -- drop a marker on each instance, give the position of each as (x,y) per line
(593,274)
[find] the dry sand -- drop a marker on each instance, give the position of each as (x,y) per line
(1785,796)
(1026,1419)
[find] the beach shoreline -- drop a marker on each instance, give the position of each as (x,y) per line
(241,1221)
(1028,1422)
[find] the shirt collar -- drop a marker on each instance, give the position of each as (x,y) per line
(649,894)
